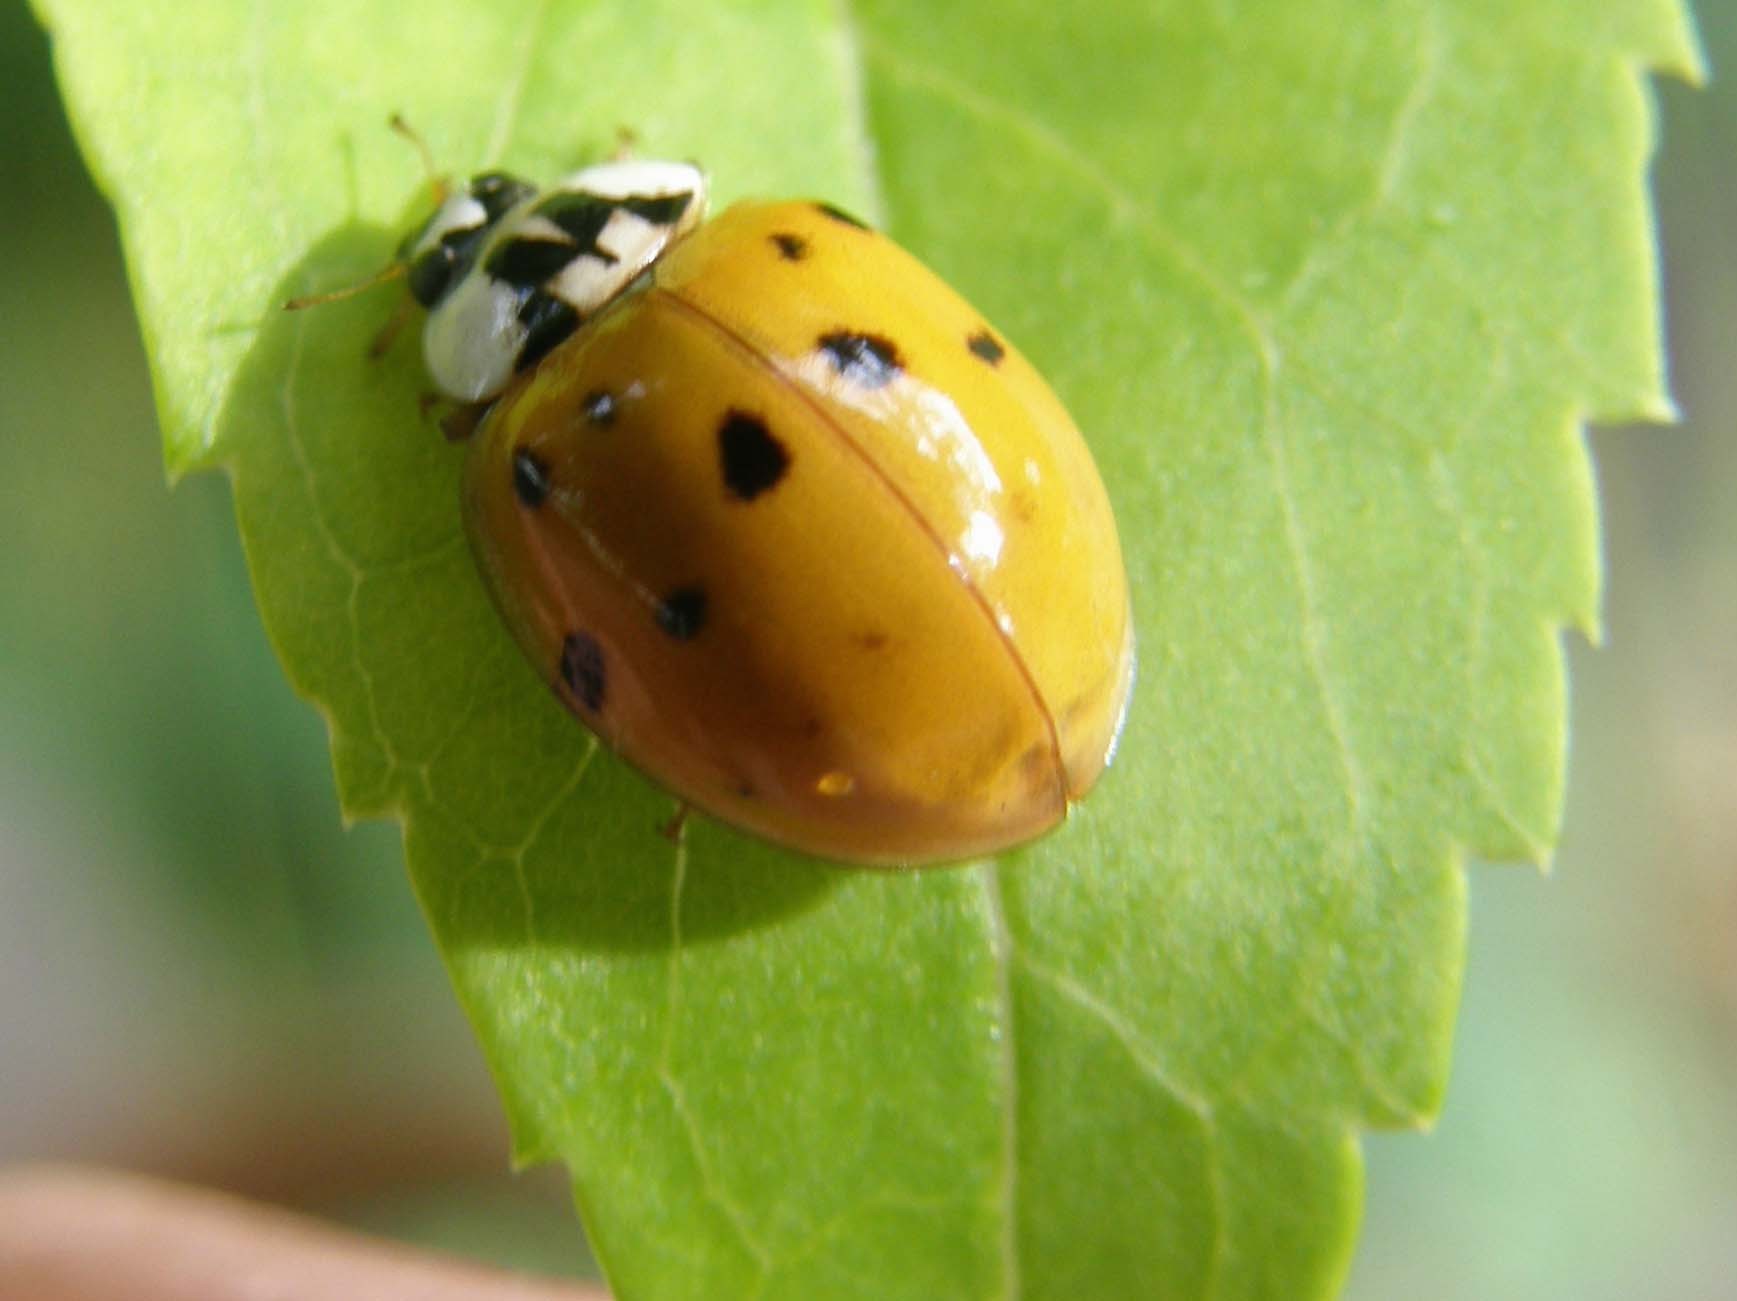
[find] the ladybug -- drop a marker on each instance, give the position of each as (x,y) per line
(778,515)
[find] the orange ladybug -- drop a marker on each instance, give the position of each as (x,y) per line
(780,517)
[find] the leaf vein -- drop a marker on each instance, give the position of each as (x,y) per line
(535,832)
(1312,622)
(1144,1055)
(1122,204)
(1374,1082)
(352,568)
(1477,635)
(1394,155)
(512,94)
(711,1182)
(1474,563)
(1003,953)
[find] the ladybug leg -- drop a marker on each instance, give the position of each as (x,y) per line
(672,830)
(389,332)
(626,144)
(457,420)
(459,423)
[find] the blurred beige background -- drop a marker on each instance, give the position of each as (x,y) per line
(202,974)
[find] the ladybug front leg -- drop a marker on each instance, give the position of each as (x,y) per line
(459,420)
(388,333)
(677,824)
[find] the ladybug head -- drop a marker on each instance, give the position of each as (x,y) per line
(437,255)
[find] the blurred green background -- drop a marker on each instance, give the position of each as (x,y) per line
(203,974)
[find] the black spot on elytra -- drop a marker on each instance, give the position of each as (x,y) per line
(866,360)
(792,248)
(986,346)
(548,321)
(682,613)
(839,214)
(581,669)
(872,640)
(530,477)
(599,408)
(753,461)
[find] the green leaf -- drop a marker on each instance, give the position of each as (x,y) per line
(1330,287)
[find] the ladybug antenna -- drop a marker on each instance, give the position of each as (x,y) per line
(436,182)
(391,271)
(626,144)
(396,268)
